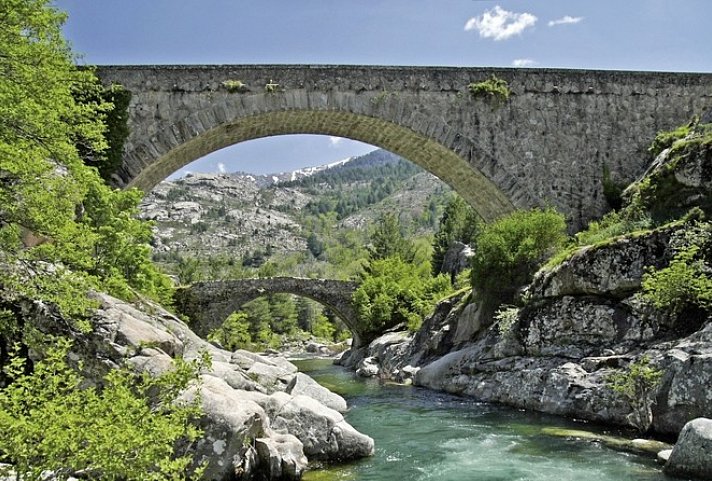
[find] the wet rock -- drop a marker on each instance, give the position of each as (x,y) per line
(368,367)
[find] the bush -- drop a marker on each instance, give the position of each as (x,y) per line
(614,224)
(50,422)
(234,86)
(510,250)
(664,140)
(394,292)
(493,87)
(687,280)
(636,385)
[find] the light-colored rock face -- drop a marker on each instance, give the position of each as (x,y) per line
(302,384)
(251,425)
(692,454)
(457,258)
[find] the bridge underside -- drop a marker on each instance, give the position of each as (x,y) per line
(488,200)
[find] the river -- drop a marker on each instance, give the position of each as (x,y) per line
(424,435)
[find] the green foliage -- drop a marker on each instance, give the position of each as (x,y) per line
(128,430)
(387,240)
(459,222)
(234,333)
(687,280)
(666,139)
(315,246)
(506,316)
(632,219)
(347,190)
(494,87)
(58,220)
(188,270)
(636,384)
(113,113)
(510,250)
(323,328)
(393,291)
(271,87)
(661,193)
(612,190)
(234,86)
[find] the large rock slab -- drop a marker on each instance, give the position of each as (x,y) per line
(304,385)
(229,423)
(692,454)
(234,392)
(613,270)
(323,431)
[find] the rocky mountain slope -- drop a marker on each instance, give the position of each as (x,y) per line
(204,215)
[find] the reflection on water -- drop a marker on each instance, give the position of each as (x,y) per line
(424,435)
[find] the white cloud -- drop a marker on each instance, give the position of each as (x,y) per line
(221,167)
(568,19)
(523,62)
(500,24)
(335,141)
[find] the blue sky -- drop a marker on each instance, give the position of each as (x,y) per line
(670,35)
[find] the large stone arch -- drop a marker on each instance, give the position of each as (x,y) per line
(208,304)
(446,164)
(549,144)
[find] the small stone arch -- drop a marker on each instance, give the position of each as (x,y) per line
(208,304)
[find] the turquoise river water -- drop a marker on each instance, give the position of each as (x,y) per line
(423,435)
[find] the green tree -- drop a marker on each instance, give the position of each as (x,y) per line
(54,210)
(234,332)
(315,246)
(189,270)
(637,384)
(49,421)
(394,291)
(687,280)
(323,328)
(511,249)
(387,239)
(283,314)
(458,223)
(306,313)
(259,318)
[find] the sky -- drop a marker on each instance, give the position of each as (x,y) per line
(664,35)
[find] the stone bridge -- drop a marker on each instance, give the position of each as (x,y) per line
(547,144)
(208,304)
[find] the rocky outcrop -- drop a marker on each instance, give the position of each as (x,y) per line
(578,328)
(456,258)
(691,455)
(259,415)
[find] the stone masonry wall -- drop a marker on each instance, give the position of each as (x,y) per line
(547,145)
